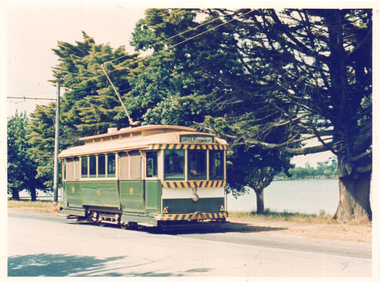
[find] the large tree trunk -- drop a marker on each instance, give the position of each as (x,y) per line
(354,191)
(260,201)
(354,202)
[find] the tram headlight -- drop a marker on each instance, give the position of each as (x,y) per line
(195,197)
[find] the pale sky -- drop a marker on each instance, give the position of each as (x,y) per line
(34,30)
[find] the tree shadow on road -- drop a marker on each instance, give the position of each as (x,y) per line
(61,265)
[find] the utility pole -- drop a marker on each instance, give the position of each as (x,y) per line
(56,148)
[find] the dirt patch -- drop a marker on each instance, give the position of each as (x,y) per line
(336,231)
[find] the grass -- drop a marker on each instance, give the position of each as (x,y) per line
(296,217)
(39,206)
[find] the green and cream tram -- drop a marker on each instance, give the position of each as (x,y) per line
(150,175)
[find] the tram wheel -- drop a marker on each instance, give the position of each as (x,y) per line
(101,224)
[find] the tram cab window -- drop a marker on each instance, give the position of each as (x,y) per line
(174,163)
(92,166)
(151,164)
(101,165)
(216,162)
(111,165)
(84,170)
(196,164)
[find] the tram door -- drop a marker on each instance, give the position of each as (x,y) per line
(153,189)
(131,183)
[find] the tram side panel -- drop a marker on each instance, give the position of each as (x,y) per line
(153,192)
(131,195)
(73,193)
(100,193)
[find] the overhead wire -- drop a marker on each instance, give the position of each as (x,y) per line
(28,95)
(174,36)
(160,42)
(168,47)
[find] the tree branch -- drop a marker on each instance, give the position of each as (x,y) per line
(307,150)
(363,169)
(359,157)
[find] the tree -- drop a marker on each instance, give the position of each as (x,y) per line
(22,169)
(175,90)
(41,136)
(314,69)
(89,105)
(256,170)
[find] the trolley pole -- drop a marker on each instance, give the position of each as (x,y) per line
(56,147)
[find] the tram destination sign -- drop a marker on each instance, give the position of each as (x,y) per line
(197,139)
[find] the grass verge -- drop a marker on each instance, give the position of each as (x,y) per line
(40,206)
(321,218)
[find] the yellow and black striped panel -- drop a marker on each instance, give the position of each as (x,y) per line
(187,147)
(191,216)
(193,184)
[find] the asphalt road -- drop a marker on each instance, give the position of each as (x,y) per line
(52,246)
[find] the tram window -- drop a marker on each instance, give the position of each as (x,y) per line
(151,164)
(92,166)
(196,163)
(84,161)
(111,165)
(216,162)
(174,164)
(101,165)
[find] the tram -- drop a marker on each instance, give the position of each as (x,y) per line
(154,175)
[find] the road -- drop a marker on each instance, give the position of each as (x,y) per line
(52,246)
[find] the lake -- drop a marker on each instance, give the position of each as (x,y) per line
(303,196)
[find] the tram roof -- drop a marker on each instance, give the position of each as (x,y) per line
(133,139)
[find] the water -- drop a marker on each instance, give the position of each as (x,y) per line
(303,196)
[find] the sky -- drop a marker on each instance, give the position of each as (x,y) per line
(33,29)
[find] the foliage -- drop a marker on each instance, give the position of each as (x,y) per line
(89,104)
(254,168)
(311,71)
(21,165)
(41,138)
(180,91)
(308,74)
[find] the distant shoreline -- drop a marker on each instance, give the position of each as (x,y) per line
(309,178)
